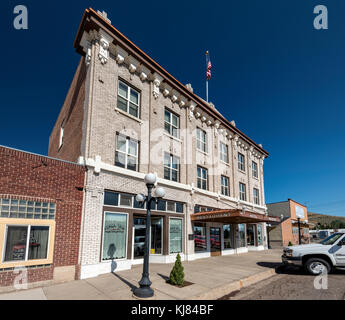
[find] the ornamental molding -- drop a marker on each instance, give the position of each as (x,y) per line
(104,40)
(157,80)
(191,107)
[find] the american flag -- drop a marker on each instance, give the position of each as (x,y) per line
(208,66)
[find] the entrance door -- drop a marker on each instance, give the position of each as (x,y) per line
(215,241)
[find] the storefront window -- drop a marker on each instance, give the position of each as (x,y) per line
(17,241)
(251,235)
(139,237)
(242,235)
(175,235)
(259,226)
(156,235)
(200,243)
(114,236)
(228,242)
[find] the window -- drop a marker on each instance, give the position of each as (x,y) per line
(200,244)
(295,230)
(256,196)
(201,140)
(171,123)
(224,152)
(114,236)
(250,235)
(126,155)
(126,200)
(61,134)
(243,195)
(242,235)
(26,209)
(175,235)
(241,162)
(24,243)
(259,227)
(156,235)
(111,198)
(128,99)
(171,167)
(224,181)
(254,169)
(227,242)
(202,178)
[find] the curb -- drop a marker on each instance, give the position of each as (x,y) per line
(221,291)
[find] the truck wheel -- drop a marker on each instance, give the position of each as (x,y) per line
(317,266)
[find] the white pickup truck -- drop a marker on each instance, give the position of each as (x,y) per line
(318,257)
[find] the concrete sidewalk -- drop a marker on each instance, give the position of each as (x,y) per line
(212,278)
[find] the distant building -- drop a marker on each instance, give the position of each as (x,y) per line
(280,234)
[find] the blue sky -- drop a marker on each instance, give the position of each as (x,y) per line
(282,81)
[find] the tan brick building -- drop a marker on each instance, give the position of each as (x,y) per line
(125,116)
(280,234)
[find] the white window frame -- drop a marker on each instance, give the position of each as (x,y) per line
(223,186)
(28,226)
(201,178)
(256,196)
(171,169)
(254,169)
(182,235)
(242,193)
(127,151)
(128,100)
(201,140)
(224,152)
(126,242)
(171,125)
(61,134)
(241,164)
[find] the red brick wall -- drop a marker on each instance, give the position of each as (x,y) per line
(29,175)
(72,114)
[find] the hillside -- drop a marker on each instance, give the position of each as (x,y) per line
(326,221)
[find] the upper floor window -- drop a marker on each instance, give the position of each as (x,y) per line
(61,134)
(241,162)
(224,155)
(128,99)
(256,195)
(171,167)
(202,178)
(224,181)
(201,140)
(126,155)
(171,123)
(255,169)
(243,195)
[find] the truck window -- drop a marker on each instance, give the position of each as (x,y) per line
(332,239)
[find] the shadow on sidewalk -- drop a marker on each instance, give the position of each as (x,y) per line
(281,268)
(133,287)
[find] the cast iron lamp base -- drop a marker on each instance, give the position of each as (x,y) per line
(143,292)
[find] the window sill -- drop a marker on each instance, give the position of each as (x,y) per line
(255,178)
(226,163)
(203,152)
(117,110)
(242,171)
(172,137)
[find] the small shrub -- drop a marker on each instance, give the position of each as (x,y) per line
(177,274)
(290,244)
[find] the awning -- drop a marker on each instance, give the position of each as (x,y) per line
(232,216)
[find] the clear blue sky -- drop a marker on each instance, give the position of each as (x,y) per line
(282,81)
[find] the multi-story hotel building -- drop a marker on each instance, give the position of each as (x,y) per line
(125,116)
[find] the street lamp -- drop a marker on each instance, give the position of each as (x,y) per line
(299,230)
(145,290)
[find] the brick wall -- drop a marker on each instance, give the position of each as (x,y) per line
(24,175)
(72,115)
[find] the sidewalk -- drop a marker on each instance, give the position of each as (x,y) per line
(212,278)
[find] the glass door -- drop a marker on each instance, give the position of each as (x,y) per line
(215,241)
(156,235)
(139,237)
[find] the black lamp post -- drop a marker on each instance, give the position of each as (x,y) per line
(299,230)
(145,290)
(268,236)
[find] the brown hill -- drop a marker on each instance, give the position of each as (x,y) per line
(328,222)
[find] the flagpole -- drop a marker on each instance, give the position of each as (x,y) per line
(206,79)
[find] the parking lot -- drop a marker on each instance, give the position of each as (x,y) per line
(291,283)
